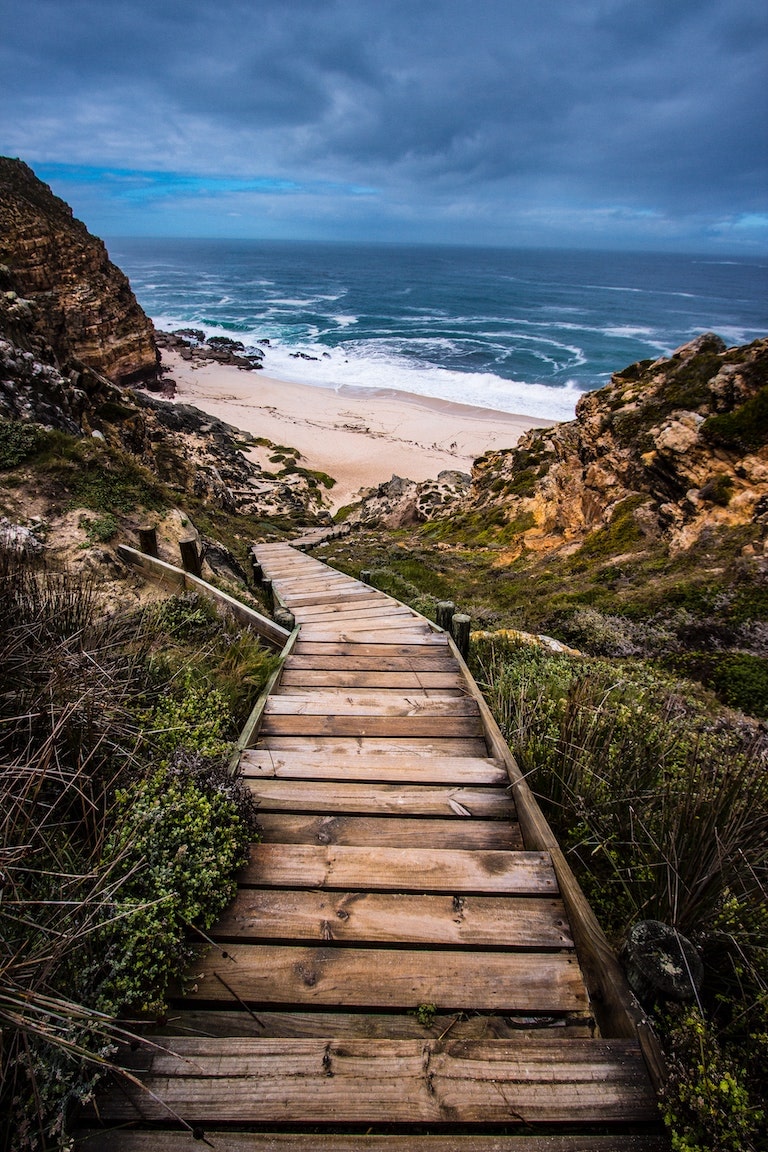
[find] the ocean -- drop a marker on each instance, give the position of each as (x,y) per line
(524,331)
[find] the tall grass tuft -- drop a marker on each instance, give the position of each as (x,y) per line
(660,798)
(94,907)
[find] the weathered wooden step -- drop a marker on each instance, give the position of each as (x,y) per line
(363,609)
(400,869)
(122,1141)
(358,659)
(358,762)
(379,647)
(391,918)
(417,727)
(387,694)
(376,799)
(387,1081)
(363,702)
(338,595)
(343,747)
(389,831)
(313,678)
(236,1021)
(361,977)
(368,631)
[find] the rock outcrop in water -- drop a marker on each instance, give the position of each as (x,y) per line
(82,304)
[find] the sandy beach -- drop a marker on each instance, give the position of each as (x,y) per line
(359,436)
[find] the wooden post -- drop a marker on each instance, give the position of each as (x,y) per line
(266,587)
(365,575)
(190,557)
(284,618)
(148,541)
(258,571)
(444,614)
(460,630)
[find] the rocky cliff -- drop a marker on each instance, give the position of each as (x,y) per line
(677,445)
(673,448)
(82,305)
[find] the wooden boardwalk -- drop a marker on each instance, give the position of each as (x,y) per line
(398,969)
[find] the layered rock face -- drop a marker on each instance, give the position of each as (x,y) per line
(83,305)
(678,444)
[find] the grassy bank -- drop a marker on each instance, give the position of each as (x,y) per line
(660,799)
(121,826)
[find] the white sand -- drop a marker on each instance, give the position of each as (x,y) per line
(362,436)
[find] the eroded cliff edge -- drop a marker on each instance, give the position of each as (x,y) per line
(83,304)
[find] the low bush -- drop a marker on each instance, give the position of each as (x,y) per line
(117,840)
(660,799)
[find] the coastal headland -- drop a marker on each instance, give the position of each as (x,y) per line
(360,437)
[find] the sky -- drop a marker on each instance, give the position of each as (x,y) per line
(624,124)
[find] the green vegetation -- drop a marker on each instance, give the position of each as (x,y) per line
(619,536)
(661,802)
(121,825)
(718,489)
(425,1015)
(19,441)
(99,530)
(744,429)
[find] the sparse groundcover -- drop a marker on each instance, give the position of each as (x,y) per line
(121,830)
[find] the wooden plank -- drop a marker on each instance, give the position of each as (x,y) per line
(362,977)
(391,918)
(352,595)
(343,613)
(383,692)
(376,799)
(389,831)
(376,648)
(363,606)
(420,727)
(298,582)
(408,767)
(343,747)
(429,660)
(363,702)
(236,1021)
(127,1141)
(387,1081)
(368,632)
(319,678)
(400,869)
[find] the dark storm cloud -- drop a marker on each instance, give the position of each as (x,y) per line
(494,105)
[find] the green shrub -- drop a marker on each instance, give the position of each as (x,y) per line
(19,441)
(740,679)
(109,856)
(744,429)
(718,489)
(706,1103)
(178,844)
(101,529)
(661,802)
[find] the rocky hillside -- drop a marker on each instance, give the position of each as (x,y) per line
(671,449)
(83,305)
(678,445)
(76,440)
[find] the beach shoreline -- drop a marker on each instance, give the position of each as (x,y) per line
(359,436)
